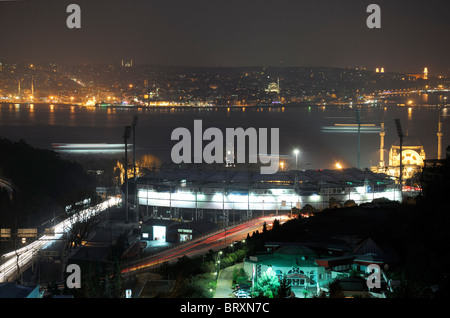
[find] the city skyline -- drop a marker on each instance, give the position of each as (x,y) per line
(200,33)
(236,149)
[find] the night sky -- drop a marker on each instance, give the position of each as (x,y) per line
(413,34)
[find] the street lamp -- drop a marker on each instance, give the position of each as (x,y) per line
(296,152)
(339,167)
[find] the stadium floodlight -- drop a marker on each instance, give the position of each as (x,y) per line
(296,152)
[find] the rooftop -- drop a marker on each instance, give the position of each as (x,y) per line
(14,290)
(219,178)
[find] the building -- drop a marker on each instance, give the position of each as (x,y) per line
(238,195)
(311,268)
(274,87)
(127,64)
(160,230)
(15,290)
(297,262)
(423,75)
(413,156)
(175,231)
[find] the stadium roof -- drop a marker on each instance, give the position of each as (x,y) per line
(221,177)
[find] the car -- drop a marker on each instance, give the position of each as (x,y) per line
(240,293)
(242,287)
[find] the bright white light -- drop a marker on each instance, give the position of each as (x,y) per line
(21,257)
(315,198)
(159,233)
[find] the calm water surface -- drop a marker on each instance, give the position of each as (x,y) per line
(310,129)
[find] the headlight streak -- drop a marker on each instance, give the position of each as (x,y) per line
(23,256)
(215,240)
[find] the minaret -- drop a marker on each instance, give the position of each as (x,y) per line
(382,134)
(440,135)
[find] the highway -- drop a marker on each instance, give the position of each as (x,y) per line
(22,257)
(202,245)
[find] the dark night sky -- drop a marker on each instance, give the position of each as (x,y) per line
(414,34)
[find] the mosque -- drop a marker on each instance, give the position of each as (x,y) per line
(412,154)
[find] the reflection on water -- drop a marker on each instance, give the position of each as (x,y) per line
(324,134)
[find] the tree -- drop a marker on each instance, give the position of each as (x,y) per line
(308,209)
(333,203)
(264,228)
(335,289)
(284,290)
(349,203)
(276,225)
(267,285)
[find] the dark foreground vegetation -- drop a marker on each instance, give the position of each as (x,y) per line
(43,183)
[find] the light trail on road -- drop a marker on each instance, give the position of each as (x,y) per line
(202,245)
(22,257)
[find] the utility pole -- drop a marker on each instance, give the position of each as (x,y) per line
(358,121)
(134,124)
(136,205)
(126,135)
(400,135)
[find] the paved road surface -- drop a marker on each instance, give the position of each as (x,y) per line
(223,289)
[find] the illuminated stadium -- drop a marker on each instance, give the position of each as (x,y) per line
(232,195)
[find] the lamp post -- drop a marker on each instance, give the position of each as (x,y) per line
(339,167)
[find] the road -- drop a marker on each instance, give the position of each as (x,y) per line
(22,258)
(224,282)
(202,245)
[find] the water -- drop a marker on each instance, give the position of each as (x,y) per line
(305,128)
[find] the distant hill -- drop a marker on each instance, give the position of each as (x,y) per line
(44,184)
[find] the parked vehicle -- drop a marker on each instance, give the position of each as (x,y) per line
(240,293)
